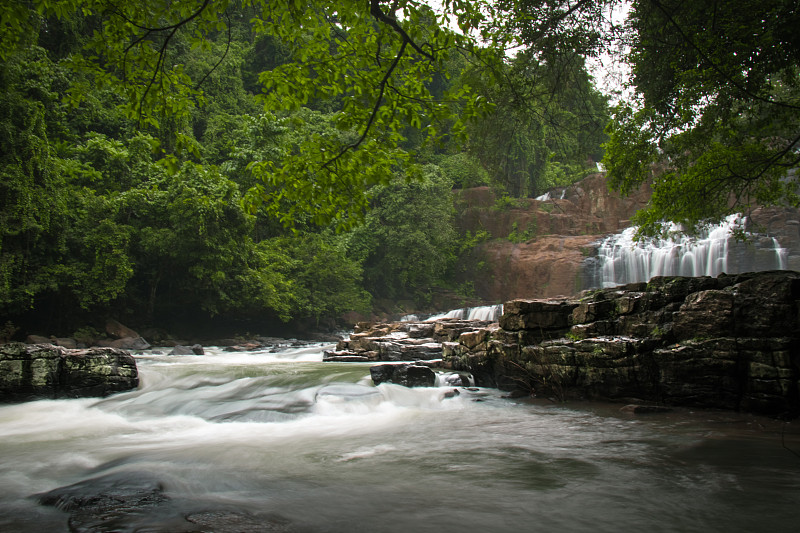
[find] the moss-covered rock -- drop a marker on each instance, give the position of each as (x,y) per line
(37,371)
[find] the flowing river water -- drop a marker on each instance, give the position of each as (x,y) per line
(283,442)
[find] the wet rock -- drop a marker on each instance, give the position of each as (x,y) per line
(130,343)
(244,347)
(645,409)
(46,371)
(345,356)
(728,342)
(400,341)
(404,374)
(107,503)
(181,350)
(139,501)
(536,315)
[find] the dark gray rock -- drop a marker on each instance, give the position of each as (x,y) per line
(729,342)
(36,371)
(139,501)
(182,350)
(404,374)
(130,343)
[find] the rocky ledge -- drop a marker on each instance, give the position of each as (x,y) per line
(42,371)
(731,342)
(400,341)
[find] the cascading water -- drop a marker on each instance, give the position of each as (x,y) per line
(489,313)
(549,195)
(279,441)
(621,260)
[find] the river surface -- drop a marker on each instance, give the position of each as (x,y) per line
(283,442)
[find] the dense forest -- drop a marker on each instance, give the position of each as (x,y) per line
(155,221)
(237,163)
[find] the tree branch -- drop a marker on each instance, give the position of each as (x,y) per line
(381,91)
(713,65)
(376,11)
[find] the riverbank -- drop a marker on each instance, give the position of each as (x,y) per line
(730,342)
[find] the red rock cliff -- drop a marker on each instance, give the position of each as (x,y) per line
(537,247)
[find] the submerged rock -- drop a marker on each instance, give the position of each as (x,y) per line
(106,503)
(38,371)
(139,501)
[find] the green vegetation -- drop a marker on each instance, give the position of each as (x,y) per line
(260,161)
(516,236)
(717,127)
(166,163)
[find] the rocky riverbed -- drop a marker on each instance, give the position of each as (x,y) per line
(730,342)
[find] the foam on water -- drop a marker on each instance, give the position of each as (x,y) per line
(317,445)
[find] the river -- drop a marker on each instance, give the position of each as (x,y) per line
(283,442)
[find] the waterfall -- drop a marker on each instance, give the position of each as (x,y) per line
(549,195)
(489,313)
(622,260)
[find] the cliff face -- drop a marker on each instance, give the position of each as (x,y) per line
(538,248)
(729,342)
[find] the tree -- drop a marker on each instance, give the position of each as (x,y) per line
(546,128)
(375,58)
(712,120)
(717,126)
(31,187)
(408,240)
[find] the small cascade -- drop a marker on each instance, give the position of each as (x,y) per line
(488,313)
(549,195)
(621,260)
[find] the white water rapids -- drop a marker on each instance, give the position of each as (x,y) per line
(285,439)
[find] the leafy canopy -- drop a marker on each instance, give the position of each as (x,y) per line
(376,59)
(716,126)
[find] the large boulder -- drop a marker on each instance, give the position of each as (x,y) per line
(130,343)
(118,331)
(37,371)
(404,374)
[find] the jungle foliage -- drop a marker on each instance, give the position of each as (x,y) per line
(170,161)
(293,160)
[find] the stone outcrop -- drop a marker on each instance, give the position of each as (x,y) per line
(730,342)
(543,248)
(408,375)
(553,237)
(399,341)
(39,371)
